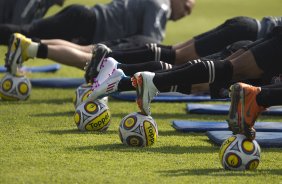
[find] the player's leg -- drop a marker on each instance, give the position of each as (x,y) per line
(57,26)
(267,56)
(232,30)
(22,48)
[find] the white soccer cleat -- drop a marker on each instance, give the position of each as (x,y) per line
(108,87)
(106,69)
(145,89)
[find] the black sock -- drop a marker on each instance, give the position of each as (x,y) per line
(168,56)
(270,95)
(42,51)
(125,85)
(37,40)
(203,72)
(131,69)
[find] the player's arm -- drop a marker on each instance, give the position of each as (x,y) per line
(154,22)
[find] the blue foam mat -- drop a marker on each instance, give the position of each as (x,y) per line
(222,109)
(34,69)
(264,139)
(57,82)
(204,126)
(168,97)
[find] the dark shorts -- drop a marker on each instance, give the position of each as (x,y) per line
(232,30)
(268,52)
(129,42)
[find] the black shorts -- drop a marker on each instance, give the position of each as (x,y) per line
(131,42)
(232,30)
(268,52)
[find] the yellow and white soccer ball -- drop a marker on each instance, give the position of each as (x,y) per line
(239,153)
(15,87)
(82,93)
(138,130)
(92,116)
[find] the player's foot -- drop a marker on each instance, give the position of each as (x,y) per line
(93,67)
(244,109)
(108,87)
(17,52)
(145,89)
(106,69)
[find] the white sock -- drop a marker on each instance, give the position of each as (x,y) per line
(32,49)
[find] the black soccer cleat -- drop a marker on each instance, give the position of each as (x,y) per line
(93,67)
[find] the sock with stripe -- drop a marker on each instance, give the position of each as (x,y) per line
(205,71)
(142,55)
(131,69)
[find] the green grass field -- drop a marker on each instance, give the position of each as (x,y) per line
(39,141)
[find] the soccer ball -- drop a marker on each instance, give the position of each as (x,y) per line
(139,130)
(239,153)
(82,93)
(92,116)
(15,87)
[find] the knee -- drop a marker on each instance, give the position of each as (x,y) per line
(75,9)
(244,27)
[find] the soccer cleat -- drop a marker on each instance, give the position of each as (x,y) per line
(106,69)
(108,87)
(93,67)
(17,52)
(244,109)
(145,89)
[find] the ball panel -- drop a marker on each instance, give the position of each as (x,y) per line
(77,117)
(23,88)
(85,95)
(248,147)
(252,165)
(225,145)
(100,122)
(7,85)
(8,98)
(91,107)
(134,140)
(233,160)
(150,133)
(130,122)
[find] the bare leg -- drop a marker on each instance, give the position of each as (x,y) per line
(68,56)
(245,67)
(200,88)
(185,52)
(84,48)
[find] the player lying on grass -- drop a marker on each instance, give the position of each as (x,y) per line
(25,11)
(102,22)
(247,102)
(258,59)
(22,48)
(232,30)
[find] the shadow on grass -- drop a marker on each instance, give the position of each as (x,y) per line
(177,133)
(49,101)
(76,131)
(165,149)
(218,172)
(54,114)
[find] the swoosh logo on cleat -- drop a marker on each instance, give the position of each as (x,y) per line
(249,110)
